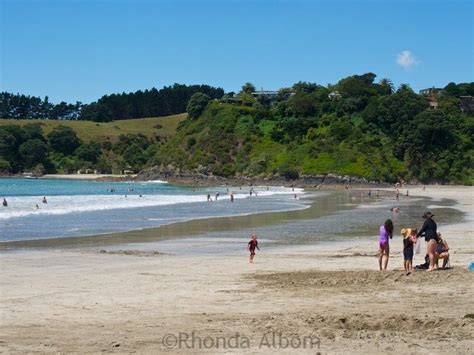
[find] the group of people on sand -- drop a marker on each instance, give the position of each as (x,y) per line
(436,246)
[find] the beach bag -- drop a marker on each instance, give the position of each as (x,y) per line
(418,247)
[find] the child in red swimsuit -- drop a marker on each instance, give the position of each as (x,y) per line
(251,247)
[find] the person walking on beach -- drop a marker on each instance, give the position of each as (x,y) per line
(251,247)
(386,233)
(429,230)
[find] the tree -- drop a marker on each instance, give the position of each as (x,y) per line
(386,86)
(89,151)
(248,88)
(64,139)
(357,85)
(7,145)
(304,87)
(197,104)
(33,152)
(5,166)
(33,131)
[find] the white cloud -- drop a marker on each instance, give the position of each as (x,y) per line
(407,59)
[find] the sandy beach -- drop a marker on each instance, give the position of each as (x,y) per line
(85,176)
(324,298)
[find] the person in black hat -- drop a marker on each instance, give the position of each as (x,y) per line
(429,230)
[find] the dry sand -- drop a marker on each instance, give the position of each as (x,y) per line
(81,301)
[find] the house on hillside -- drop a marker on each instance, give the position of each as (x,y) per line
(334,95)
(431,95)
(270,96)
(430,91)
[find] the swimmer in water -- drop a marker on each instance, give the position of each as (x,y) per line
(44,200)
(5,203)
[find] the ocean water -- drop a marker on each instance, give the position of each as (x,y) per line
(77,209)
(81,207)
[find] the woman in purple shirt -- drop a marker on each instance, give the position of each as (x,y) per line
(386,233)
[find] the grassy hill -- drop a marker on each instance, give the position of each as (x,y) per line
(164,127)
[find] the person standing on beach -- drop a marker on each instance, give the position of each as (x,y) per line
(231,197)
(251,247)
(386,233)
(429,230)
(409,238)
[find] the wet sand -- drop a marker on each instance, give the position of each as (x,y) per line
(87,301)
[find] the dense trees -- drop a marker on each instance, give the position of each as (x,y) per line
(356,127)
(64,139)
(30,107)
(149,103)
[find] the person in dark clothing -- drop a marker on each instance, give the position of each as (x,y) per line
(251,247)
(409,239)
(429,231)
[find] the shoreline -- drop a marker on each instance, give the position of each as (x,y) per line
(327,181)
(84,176)
(190,228)
(173,230)
(88,301)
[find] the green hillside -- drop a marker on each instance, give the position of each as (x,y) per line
(64,146)
(356,127)
(87,131)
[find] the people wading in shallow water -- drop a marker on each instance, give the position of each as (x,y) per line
(5,203)
(429,230)
(386,233)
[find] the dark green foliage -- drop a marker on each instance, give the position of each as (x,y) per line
(33,152)
(370,131)
(357,127)
(196,104)
(169,100)
(125,141)
(248,88)
(31,107)
(89,152)
(64,139)
(391,113)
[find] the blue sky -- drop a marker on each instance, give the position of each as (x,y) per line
(81,50)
